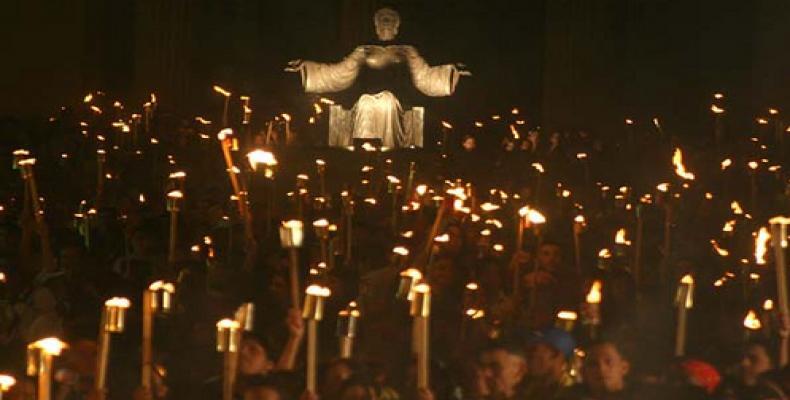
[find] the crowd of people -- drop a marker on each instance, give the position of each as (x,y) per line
(620,222)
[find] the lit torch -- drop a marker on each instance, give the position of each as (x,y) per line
(39,362)
(157,299)
(313,312)
(291,237)
(421,311)
(347,329)
(226,94)
(684,301)
(112,321)
(174,197)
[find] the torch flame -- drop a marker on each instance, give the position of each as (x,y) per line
(261,157)
(761,246)
(317,290)
(736,208)
(227,323)
(225,133)
(221,91)
(594,295)
(722,252)
(488,207)
(567,315)
(680,169)
(619,237)
(751,321)
(120,302)
(51,345)
(166,286)
(6,381)
(514,132)
(768,305)
(400,250)
(444,238)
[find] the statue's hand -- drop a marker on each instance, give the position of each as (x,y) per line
(359,53)
(295,66)
(462,71)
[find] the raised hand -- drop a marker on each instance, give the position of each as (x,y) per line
(462,70)
(295,66)
(294,323)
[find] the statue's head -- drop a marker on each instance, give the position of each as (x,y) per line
(387,22)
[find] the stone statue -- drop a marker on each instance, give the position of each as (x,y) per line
(385,75)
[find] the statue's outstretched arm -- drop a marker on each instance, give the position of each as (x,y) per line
(328,78)
(434,81)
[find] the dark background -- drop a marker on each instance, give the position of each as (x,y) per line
(566,63)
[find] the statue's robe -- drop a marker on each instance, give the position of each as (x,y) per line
(384,77)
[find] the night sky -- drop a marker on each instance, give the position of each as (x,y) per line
(568,64)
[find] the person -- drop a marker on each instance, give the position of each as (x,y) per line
(264,388)
(255,358)
(604,374)
(755,361)
(550,286)
(548,352)
(500,372)
(337,371)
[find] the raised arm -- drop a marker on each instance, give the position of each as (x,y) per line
(329,78)
(435,81)
(287,359)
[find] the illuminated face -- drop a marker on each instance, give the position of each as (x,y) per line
(549,257)
(755,361)
(605,369)
(253,359)
(502,371)
(387,22)
(544,361)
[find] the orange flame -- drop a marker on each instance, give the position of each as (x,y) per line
(761,245)
(594,295)
(680,169)
(751,321)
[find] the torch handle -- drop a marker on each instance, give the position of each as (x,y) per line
(577,251)
(99,179)
(667,246)
(680,334)
(346,346)
(312,354)
(148,324)
(349,237)
(778,235)
(227,376)
(234,181)
(422,352)
(45,376)
(171,250)
(294,276)
(640,228)
(101,359)
(225,112)
(519,233)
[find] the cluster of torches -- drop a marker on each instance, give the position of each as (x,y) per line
(413,287)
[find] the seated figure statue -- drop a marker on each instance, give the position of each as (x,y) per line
(384,74)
